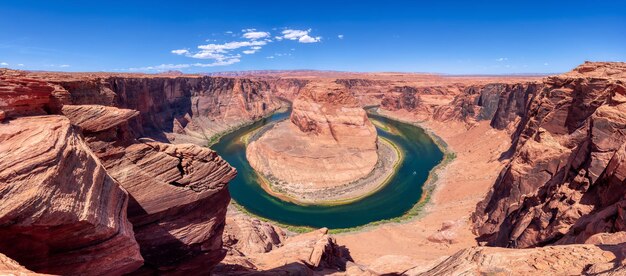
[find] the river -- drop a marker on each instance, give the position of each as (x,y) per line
(403,191)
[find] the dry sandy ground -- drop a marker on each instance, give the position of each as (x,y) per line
(462,184)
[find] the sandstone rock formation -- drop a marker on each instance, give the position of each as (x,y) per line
(549,260)
(297,255)
(328,142)
(95,118)
(185,109)
(61,212)
(178,192)
(244,235)
(565,181)
(500,103)
(24,96)
(11,267)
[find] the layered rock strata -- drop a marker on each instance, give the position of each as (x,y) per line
(60,211)
(550,260)
(565,181)
(302,254)
(182,109)
(178,192)
(327,142)
(78,167)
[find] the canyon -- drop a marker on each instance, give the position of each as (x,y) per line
(104,173)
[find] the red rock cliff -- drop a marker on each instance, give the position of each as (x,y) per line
(60,211)
(185,109)
(565,180)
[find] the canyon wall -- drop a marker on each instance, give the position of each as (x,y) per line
(89,195)
(182,109)
(565,181)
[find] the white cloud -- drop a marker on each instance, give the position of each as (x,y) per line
(221,54)
(301,36)
(546,64)
(4,64)
(226,47)
(20,64)
(295,34)
(502,59)
(309,39)
(230,52)
(180,52)
(340,36)
(255,35)
(165,67)
(64,65)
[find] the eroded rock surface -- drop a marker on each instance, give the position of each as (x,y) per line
(11,267)
(188,109)
(94,118)
(178,195)
(550,260)
(297,255)
(565,181)
(61,212)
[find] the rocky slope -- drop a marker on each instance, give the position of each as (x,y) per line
(565,181)
(258,248)
(84,173)
(549,260)
(178,192)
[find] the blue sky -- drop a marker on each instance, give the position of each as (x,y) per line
(464,37)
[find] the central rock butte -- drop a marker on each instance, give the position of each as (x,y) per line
(328,142)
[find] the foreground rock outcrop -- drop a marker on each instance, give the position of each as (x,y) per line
(301,254)
(86,173)
(11,267)
(550,260)
(565,181)
(61,212)
(178,192)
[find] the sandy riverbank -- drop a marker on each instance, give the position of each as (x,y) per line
(461,185)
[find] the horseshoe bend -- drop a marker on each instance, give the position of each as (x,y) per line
(327,150)
(161,138)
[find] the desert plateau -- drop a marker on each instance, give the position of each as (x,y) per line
(423,152)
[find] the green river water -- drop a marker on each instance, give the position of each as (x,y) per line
(403,191)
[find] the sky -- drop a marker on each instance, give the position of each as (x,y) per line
(452,37)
